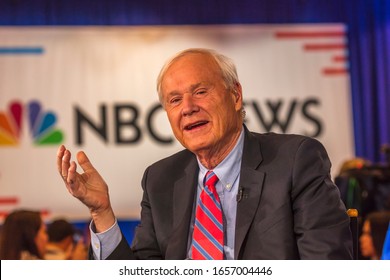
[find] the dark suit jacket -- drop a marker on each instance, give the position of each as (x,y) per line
(290,209)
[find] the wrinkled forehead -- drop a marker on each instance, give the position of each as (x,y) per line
(191,65)
(193,60)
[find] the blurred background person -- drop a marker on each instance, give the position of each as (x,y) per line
(65,242)
(373,234)
(23,236)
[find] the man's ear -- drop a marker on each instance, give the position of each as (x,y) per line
(237,92)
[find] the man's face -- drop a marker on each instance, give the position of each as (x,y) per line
(203,114)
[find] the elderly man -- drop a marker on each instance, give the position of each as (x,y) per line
(231,193)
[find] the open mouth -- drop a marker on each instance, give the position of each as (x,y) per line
(195,125)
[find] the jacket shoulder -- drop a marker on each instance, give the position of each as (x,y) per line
(276,139)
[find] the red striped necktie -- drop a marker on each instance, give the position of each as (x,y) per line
(207,243)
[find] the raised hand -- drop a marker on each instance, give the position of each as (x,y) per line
(89,187)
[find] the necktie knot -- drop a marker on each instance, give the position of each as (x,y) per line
(211,179)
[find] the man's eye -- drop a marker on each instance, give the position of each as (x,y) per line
(174,100)
(200,92)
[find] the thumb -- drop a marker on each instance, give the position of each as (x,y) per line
(84,162)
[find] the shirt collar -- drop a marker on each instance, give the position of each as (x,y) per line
(228,170)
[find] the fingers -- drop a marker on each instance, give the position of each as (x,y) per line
(65,164)
(84,162)
(60,154)
(63,161)
(63,158)
(66,168)
(71,178)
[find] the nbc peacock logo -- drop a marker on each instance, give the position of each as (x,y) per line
(41,124)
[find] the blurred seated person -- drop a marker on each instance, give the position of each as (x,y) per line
(352,165)
(354,178)
(373,234)
(62,242)
(23,236)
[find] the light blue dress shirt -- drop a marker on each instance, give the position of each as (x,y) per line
(228,173)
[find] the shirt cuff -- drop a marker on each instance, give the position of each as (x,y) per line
(104,243)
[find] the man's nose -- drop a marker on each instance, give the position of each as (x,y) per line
(189,105)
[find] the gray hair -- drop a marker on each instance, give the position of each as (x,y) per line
(228,69)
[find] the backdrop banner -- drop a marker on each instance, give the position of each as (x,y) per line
(94,89)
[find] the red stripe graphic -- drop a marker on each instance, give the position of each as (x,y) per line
(308,34)
(9,200)
(334,71)
(323,47)
(310,43)
(339,58)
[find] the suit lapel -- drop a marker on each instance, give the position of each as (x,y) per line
(251,180)
(183,201)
